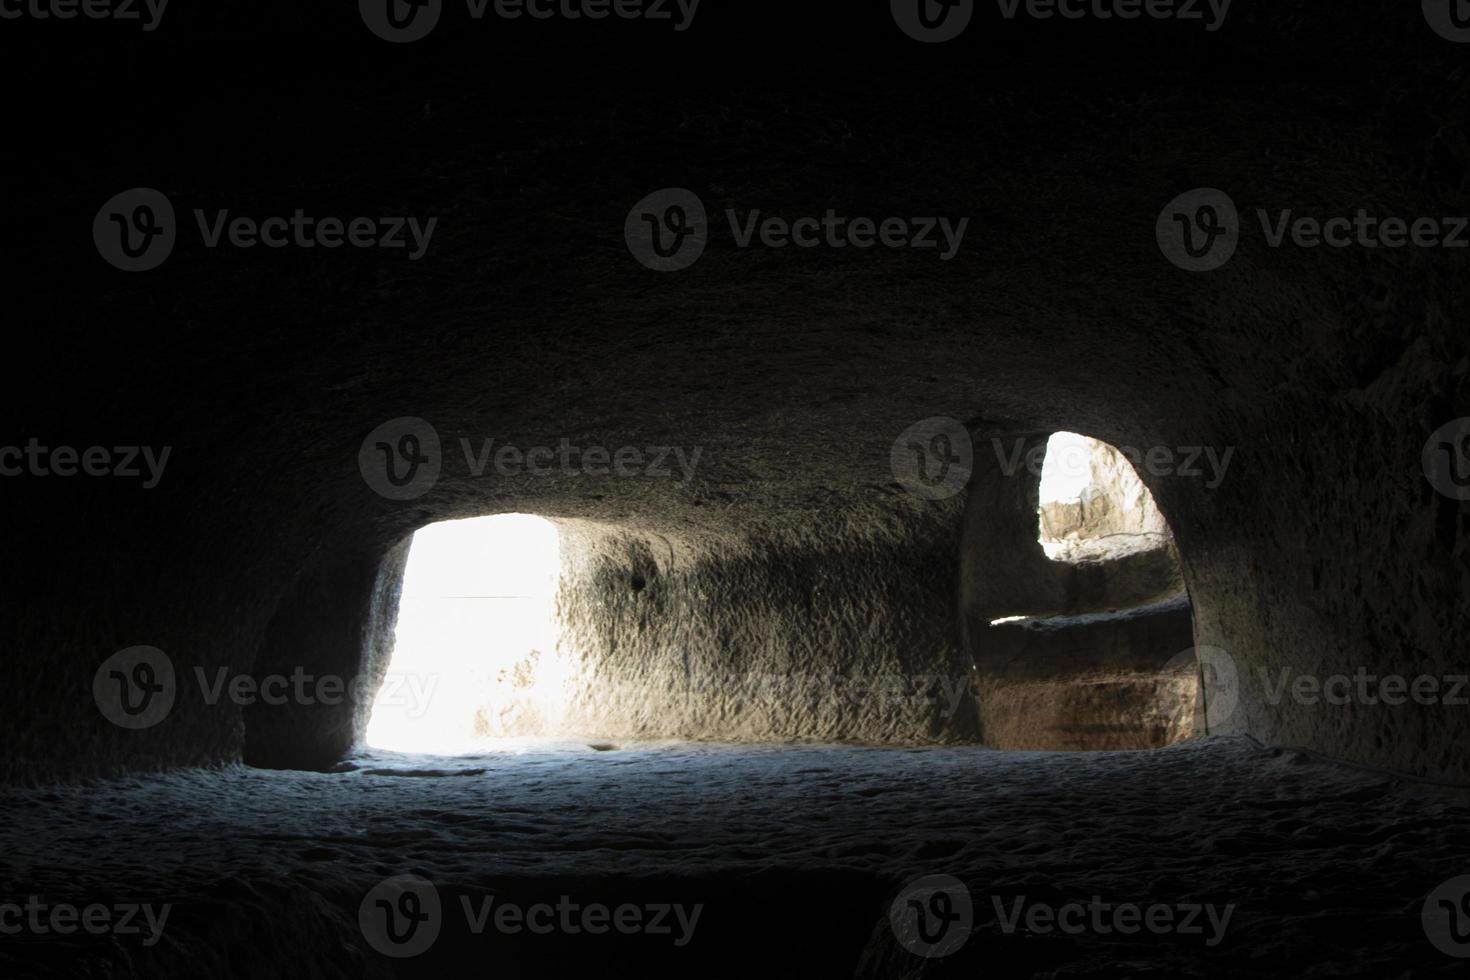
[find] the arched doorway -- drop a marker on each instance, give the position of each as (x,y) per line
(1074,600)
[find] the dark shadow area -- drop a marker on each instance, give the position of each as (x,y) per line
(767,307)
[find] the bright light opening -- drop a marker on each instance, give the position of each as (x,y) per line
(1093,506)
(1066,473)
(474,653)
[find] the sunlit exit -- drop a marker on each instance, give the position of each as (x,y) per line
(1066,472)
(474,653)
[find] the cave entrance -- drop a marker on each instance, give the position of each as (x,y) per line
(1086,609)
(474,649)
(1092,506)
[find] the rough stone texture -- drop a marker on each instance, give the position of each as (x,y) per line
(1327,867)
(1092,662)
(1091,682)
(1324,550)
(845,629)
(339,620)
(1006,571)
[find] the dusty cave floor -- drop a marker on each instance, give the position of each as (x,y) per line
(795,852)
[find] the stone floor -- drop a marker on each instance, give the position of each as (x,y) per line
(1247,862)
